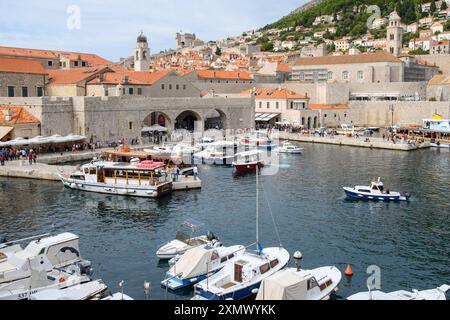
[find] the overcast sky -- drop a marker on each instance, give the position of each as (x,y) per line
(109,28)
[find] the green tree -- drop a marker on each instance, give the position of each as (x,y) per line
(218,51)
(433,6)
(267,46)
(444,5)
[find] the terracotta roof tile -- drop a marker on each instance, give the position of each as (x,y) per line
(73,76)
(227,75)
(134,77)
(276,94)
(19,115)
(20,65)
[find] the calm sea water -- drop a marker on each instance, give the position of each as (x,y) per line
(408,241)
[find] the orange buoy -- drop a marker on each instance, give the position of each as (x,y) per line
(349,271)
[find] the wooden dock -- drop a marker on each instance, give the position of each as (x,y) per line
(373,143)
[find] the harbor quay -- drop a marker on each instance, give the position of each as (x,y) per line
(361,142)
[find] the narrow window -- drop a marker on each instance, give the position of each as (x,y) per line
(184,87)
(130,91)
(24,91)
(10,91)
(130,125)
(163,86)
(50,63)
(139,90)
(39,91)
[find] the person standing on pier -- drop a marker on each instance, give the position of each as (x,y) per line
(195,172)
(3,159)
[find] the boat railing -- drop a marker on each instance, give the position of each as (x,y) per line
(24,239)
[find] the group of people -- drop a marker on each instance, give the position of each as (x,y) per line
(12,154)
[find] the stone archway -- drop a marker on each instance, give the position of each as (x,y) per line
(315,123)
(309,123)
(153,119)
(215,119)
(189,120)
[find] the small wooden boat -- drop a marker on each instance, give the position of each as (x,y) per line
(248,161)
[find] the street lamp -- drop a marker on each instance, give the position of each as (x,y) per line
(392,109)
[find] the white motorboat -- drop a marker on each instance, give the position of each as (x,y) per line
(185,240)
(82,291)
(52,251)
(293,284)
(242,276)
(144,179)
(40,280)
(375,191)
(433,295)
(211,156)
(288,147)
(199,263)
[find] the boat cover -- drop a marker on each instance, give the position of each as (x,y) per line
(283,285)
(193,263)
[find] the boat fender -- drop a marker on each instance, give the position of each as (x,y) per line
(73,185)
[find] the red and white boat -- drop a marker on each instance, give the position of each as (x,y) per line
(248,161)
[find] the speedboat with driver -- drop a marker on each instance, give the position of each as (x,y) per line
(376,191)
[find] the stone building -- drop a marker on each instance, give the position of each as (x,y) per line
(21,77)
(377,67)
(187,40)
(439,88)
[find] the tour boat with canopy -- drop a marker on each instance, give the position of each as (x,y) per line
(242,276)
(248,161)
(437,129)
(186,238)
(376,191)
(199,263)
(142,179)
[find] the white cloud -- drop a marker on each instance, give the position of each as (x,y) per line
(109,28)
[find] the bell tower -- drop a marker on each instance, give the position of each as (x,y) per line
(142,54)
(394,42)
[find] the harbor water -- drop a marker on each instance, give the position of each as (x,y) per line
(408,241)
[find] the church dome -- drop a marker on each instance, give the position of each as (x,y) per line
(141,37)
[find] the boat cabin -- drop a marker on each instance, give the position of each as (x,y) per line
(146,173)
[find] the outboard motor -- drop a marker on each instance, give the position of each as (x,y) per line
(211,236)
(85,267)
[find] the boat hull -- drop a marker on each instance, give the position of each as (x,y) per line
(131,191)
(235,295)
(178,284)
(242,168)
(351,193)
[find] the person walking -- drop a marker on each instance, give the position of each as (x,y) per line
(30,157)
(34,157)
(3,159)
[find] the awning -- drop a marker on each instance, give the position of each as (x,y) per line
(4,131)
(265,117)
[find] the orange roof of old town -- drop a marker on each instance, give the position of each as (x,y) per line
(20,65)
(72,76)
(221,74)
(19,115)
(282,93)
(134,77)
